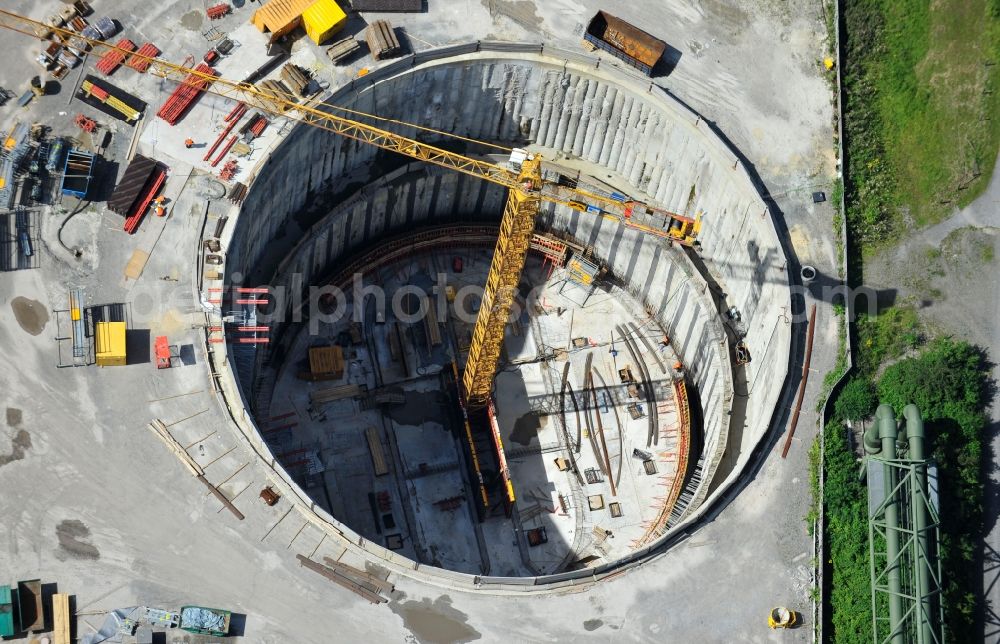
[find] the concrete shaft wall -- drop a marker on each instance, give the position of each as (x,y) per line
(623,123)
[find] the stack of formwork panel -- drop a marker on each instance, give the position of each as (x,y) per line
(110,61)
(185,94)
(382,40)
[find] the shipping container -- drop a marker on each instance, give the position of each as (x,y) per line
(110,344)
(625,42)
(6,612)
(322,20)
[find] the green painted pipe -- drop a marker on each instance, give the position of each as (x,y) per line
(888,432)
(916,436)
(871,438)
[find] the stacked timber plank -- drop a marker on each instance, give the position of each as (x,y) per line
(342,49)
(382,40)
(354,579)
(332,394)
(296,78)
(278,91)
(375,449)
(325,363)
(60,618)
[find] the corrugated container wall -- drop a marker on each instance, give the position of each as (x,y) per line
(278,17)
(323,19)
(110,341)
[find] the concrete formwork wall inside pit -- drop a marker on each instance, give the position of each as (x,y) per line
(597,114)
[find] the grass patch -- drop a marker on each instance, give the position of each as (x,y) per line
(886,336)
(921,110)
(815,466)
(846,511)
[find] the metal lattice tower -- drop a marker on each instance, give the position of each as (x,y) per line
(903,532)
(516,229)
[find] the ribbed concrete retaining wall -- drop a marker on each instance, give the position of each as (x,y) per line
(600,116)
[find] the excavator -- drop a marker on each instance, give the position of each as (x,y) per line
(522,175)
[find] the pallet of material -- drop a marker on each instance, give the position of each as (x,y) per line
(294,77)
(342,49)
(382,40)
(431,323)
(140,64)
(333,394)
(110,100)
(110,61)
(378,454)
(254,127)
(186,94)
(277,90)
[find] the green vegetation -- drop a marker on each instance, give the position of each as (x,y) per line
(857,400)
(920,110)
(846,508)
(815,466)
(947,380)
(886,336)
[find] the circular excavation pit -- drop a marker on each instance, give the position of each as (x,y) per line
(381,442)
(620,411)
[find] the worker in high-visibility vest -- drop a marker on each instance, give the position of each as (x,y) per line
(189,143)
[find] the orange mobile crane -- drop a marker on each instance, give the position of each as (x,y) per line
(522,177)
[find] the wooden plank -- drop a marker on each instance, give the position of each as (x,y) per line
(378,454)
(431,321)
(334,393)
(135,264)
(362,576)
(340,579)
(60,618)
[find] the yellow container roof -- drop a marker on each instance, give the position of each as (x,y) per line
(322,16)
(110,338)
(275,15)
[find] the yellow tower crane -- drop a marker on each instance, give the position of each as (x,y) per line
(522,177)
